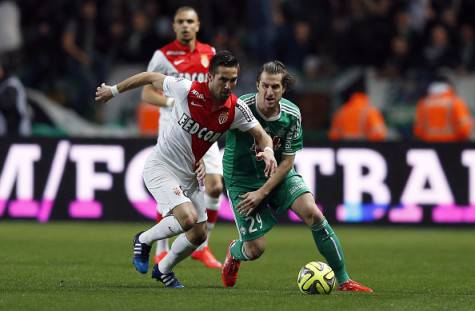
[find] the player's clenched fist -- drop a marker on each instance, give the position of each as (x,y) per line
(103,93)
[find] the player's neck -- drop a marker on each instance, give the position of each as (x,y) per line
(267,112)
(190,44)
(216,103)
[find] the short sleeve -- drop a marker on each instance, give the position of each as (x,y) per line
(244,120)
(155,64)
(178,88)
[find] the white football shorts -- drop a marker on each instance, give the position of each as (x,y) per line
(213,160)
(168,191)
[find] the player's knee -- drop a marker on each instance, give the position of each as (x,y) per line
(313,217)
(214,189)
(188,220)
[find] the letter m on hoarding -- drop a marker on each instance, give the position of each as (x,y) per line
(18,170)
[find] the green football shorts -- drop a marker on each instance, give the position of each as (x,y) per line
(265,215)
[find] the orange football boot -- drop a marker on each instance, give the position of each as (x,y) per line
(230,269)
(353,286)
(159,257)
(207,258)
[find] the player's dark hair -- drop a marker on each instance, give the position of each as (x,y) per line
(275,67)
(183,9)
(222,58)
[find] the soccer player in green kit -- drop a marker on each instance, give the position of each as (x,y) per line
(255,198)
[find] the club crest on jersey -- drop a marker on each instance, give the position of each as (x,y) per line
(223,117)
(177,190)
(204,60)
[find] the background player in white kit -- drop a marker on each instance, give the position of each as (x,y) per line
(201,114)
(187,57)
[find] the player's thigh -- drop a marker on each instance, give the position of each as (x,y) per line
(213,160)
(164,186)
(288,191)
(255,225)
(197,198)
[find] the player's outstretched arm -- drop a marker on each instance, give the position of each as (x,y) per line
(264,141)
(106,92)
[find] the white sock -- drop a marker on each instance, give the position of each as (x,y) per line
(166,228)
(181,248)
(161,246)
(210,202)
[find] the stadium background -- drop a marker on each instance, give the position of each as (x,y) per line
(69,197)
(397,47)
(329,45)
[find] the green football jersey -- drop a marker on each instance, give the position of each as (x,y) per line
(240,166)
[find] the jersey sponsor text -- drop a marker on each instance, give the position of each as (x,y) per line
(194,128)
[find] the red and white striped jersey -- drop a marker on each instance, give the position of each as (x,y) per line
(196,122)
(176,59)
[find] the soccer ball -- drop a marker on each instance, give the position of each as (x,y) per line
(316,278)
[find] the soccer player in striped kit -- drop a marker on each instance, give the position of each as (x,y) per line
(188,58)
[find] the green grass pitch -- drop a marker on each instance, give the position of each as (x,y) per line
(87,266)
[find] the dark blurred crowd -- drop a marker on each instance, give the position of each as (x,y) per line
(66,48)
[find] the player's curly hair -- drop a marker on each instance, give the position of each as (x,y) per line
(276,67)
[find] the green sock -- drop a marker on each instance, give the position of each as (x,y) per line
(329,246)
(237,251)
